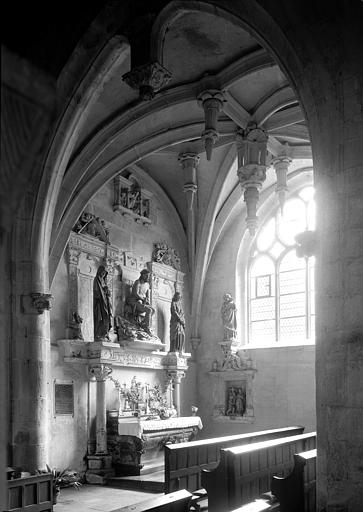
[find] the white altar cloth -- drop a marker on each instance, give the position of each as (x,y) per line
(136,426)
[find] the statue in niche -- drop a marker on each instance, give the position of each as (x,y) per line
(139,300)
(231,402)
(77,331)
(145,208)
(102,308)
(240,402)
(229,317)
(177,325)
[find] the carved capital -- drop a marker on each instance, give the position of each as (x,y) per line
(281,165)
(41,301)
(187,160)
(212,102)
(100,372)
(147,79)
(175,376)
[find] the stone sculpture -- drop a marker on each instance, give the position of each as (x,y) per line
(229,318)
(139,300)
(77,330)
(177,325)
(102,308)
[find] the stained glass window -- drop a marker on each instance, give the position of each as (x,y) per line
(281,306)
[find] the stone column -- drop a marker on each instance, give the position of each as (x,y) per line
(30,381)
(189,163)
(100,373)
(175,377)
(251,152)
(281,166)
(99,464)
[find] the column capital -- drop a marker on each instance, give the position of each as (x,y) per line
(188,159)
(99,372)
(175,376)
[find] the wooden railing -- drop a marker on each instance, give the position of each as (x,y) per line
(245,472)
(297,491)
(185,461)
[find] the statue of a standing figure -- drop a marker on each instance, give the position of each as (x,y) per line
(229,317)
(102,308)
(177,325)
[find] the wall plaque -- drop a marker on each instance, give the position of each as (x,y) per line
(63,399)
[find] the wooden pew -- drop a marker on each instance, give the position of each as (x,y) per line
(174,502)
(297,491)
(245,472)
(185,461)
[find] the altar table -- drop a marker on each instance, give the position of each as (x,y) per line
(137,444)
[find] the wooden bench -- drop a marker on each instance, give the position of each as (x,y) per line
(297,491)
(245,472)
(185,461)
(173,502)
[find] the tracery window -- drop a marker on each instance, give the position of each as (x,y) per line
(280,301)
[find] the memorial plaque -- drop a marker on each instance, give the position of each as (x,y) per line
(63,398)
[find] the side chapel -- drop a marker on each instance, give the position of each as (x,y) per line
(181,232)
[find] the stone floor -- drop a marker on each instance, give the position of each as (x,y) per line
(91,498)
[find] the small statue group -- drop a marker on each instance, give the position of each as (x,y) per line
(166,255)
(236,402)
(132,200)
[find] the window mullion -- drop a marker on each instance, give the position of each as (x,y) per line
(307,299)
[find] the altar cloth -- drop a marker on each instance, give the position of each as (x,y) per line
(138,426)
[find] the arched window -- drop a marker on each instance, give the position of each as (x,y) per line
(280,285)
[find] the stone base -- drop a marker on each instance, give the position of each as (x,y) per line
(99,469)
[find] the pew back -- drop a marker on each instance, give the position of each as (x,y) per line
(185,461)
(245,472)
(297,491)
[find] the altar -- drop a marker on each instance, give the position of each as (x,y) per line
(136,444)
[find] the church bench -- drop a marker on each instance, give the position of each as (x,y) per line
(185,461)
(33,493)
(245,472)
(173,502)
(297,491)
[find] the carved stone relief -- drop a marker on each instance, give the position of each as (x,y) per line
(132,201)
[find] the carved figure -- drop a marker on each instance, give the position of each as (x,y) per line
(166,255)
(240,403)
(229,314)
(77,331)
(231,402)
(177,325)
(140,299)
(102,308)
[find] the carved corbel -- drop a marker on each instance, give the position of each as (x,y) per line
(306,244)
(41,302)
(147,79)
(195,342)
(212,102)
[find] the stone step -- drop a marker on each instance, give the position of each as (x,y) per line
(152,482)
